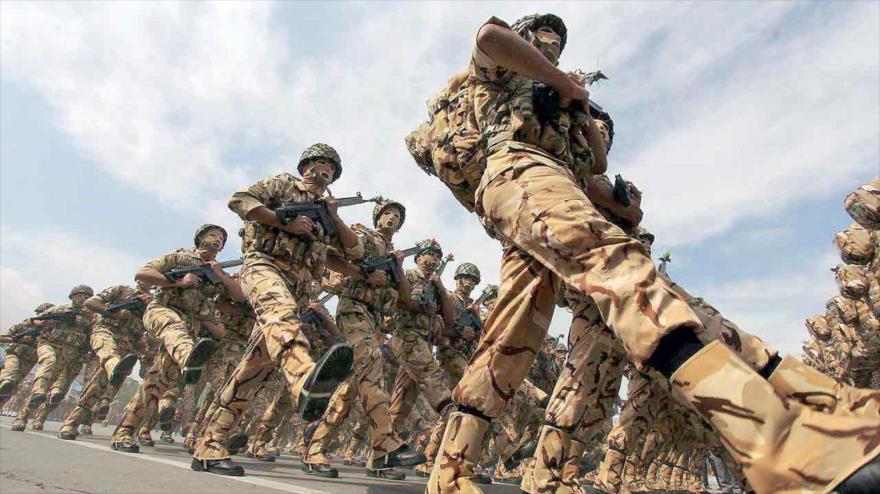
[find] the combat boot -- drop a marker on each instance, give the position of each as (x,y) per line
(329,372)
(125,445)
(458,454)
(37,426)
(794,380)
(123,369)
(67,434)
(404,456)
(200,353)
(550,457)
(784,447)
(236,442)
(320,470)
(386,473)
(220,467)
(146,440)
(86,430)
(19,423)
(167,437)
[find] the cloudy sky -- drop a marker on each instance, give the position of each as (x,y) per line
(123,126)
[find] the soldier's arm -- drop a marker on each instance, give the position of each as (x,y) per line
(151,274)
(447,309)
(99,301)
(251,204)
(511,51)
(601,192)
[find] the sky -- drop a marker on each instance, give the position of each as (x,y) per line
(124,126)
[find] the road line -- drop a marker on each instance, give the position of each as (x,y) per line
(261,482)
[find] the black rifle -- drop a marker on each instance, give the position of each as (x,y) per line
(316,210)
(621,191)
(388,263)
(28,332)
(310,316)
(203,271)
(467,318)
(134,305)
(67,317)
(429,293)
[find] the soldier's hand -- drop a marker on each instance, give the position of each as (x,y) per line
(398,256)
(215,267)
(332,206)
(301,226)
(377,278)
(120,314)
(189,280)
(571,90)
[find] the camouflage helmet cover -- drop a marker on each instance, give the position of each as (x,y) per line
(81,289)
(383,203)
(44,306)
(645,235)
(491,292)
(429,246)
(468,269)
(317,151)
(204,228)
(531,23)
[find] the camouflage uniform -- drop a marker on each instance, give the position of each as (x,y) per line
(59,355)
(530,199)
(21,357)
(277,272)
(358,316)
(111,341)
(174,317)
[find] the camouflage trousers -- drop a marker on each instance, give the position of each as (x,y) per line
(96,390)
(279,344)
(57,367)
(176,343)
(110,346)
(361,331)
(419,373)
(168,400)
(14,371)
(218,368)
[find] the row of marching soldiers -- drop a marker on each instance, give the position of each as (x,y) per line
(845,341)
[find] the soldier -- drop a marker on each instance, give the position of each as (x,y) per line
(21,355)
(281,260)
(176,316)
(418,322)
(58,355)
(362,305)
(117,338)
(550,231)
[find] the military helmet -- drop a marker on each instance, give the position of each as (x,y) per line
(429,246)
(317,151)
(468,269)
(203,229)
(531,23)
(81,289)
(43,307)
(383,203)
(645,236)
(492,292)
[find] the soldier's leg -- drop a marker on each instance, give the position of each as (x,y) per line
(269,422)
(13,373)
(404,393)
(93,392)
(48,367)
(162,376)
(69,369)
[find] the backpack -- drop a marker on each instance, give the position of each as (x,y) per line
(449,145)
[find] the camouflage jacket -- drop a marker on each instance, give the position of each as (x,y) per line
(25,348)
(360,297)
(300,258)
(70,337)
(237,318)
(131,326)
(512,116)
(458,343)
(424,324)
(195,303)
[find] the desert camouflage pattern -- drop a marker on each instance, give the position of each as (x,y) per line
(160,379)
(191,304)
(864,204)
(454,467)
(21,357)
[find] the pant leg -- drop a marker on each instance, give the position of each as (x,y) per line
(103,343)
(161,377)
(92,394)
(172,332)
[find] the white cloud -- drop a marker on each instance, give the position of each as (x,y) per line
(18,297)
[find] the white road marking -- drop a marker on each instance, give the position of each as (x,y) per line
(271,484)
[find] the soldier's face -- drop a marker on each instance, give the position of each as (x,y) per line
(548,43)
(319,171)
(78,299)
(603,129)
(428,262)
(390,219)
(490,303)
(465,284)
(212,241)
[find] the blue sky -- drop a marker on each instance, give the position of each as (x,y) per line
(124,126)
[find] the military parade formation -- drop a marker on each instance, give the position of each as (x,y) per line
(462,385)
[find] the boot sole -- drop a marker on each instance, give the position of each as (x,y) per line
(380,476)
(327,475)
(201,352)
(133,449)
(123,369)
(417,459)
(329,372)
(197,466)
(237,441)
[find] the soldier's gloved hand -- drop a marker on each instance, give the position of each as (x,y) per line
(301,226)
(189,280)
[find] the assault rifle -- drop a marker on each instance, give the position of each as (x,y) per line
(133,305)
(467,318)
(316,210)
(429,293)
(15,338)
(388,263)
(310,316)
(67,317)
(203,271)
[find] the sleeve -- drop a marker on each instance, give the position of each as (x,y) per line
(355,253)
(109,294)
(482,67)
(262,193)
(164,263)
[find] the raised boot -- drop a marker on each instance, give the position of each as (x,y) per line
(783,446)
(794,380)
(329,372)
(122,369)
(550,457)
(200,353)
(459,452)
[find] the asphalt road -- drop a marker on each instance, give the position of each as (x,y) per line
(39,462)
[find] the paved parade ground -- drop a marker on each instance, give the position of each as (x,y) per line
(39,462)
